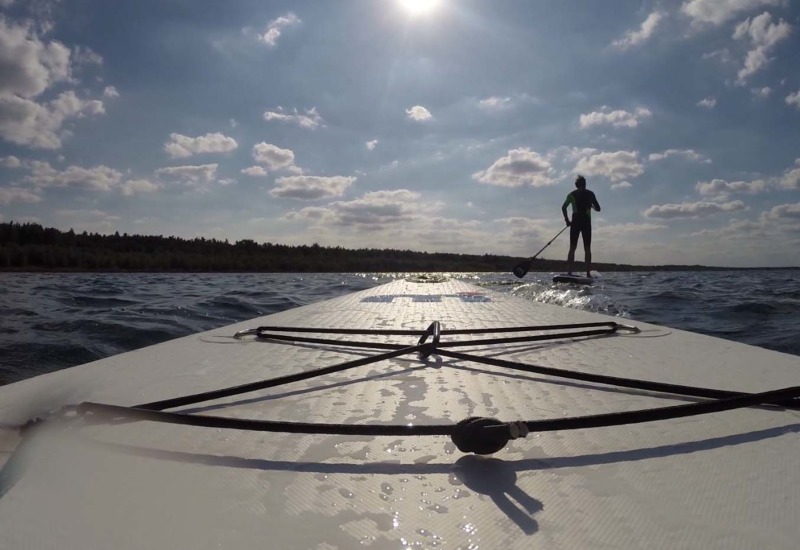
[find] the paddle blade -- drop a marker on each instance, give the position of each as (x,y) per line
(522,268)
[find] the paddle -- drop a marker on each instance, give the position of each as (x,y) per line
(522,268)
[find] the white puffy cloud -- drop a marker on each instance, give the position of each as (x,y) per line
(376,210)
(419,113)
(98,178)
(643,33)
(616,166)
(520,167)
(10,162)
(621,185)
(793,99)
(618,118)
(311,119)
(763,35)
(689,154)
(722,187)
(29,65)
(26,122)
(789,212)
(371,144)
(707,102)
(138,187)
(791,178)
(18,194)
(180,146)
(700,209)
(495,102)
(190,175)
(274,157)
(254,171)
(110,91)
(275,28)
(311,187)
(716,12)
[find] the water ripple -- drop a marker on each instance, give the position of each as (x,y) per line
(52,321)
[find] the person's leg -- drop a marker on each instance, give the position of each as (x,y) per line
(574,231)
(587,249)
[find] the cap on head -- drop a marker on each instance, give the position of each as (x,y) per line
(580,182)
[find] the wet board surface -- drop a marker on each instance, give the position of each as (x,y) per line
(573,279)
(722,480)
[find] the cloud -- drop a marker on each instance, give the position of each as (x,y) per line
(700,209)
(83,55)
(617,119)
(616,166)
(763,35)
(254,171)
(764,92)
(632,228)
(789,212)
(707,102)
(90,220)
(689,154)
(275,28)
(28,65)
(634,38)
(180,146)
(716,12)
(310,119)
(274,158)
(794,99)
(18,194)
(419,113)
(572,154)
(110,91)
(520,167)
(621,185)
(10,162)
(138,187)
(376,210)
(722,187)
(98,178)
(791,178)
(311,187)
(372,144)
(190,175)
(25,122)
(495,103)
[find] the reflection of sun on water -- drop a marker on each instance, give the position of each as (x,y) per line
(419,7)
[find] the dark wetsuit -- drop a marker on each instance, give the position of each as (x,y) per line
(582,201)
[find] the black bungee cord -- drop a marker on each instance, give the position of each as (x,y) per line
(476,434)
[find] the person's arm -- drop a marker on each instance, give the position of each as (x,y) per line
(564,209)
(595,204)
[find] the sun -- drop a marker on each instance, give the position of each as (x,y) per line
(419,7)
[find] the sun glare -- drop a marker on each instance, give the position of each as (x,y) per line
(419,7)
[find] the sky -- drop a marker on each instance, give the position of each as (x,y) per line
(429,125)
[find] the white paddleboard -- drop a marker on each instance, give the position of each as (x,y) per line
(723,480)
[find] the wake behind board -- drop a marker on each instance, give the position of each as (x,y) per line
(573,279)
(726,479)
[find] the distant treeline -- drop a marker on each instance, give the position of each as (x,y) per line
(31,247)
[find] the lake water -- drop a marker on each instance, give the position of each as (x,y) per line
(51,321)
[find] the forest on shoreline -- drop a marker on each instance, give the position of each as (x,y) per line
(32,247)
